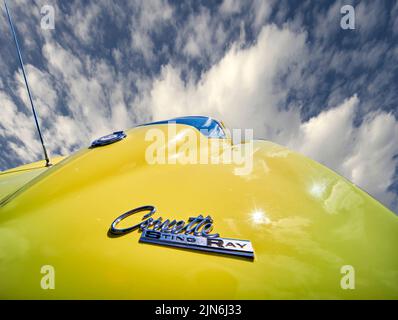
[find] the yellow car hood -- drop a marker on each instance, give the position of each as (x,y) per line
(304,221)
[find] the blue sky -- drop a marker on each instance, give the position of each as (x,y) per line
(283,68)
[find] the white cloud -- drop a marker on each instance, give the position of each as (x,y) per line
(95,104)
(20,127)
(367,16)
(43,93)
(95,95)
(82,21)
(202,37)
(230,6)
(394,22)
(149,16)
(261,10)
(241,90)
(329,136)
(371,163)
(363,154)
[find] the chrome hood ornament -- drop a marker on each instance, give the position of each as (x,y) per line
(194,234)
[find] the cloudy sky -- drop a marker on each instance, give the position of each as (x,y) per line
(283,68)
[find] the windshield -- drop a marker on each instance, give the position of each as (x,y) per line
(209,127)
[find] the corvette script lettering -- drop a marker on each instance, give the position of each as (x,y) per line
(194,234)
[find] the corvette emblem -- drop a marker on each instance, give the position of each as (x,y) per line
(194,234)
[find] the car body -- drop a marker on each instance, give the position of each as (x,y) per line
(305,222)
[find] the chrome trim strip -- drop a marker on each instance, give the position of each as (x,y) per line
(242,248)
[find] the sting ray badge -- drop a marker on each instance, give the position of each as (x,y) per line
(194,234)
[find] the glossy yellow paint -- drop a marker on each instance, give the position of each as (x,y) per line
(13,179)
(304,221)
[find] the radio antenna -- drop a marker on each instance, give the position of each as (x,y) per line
(27,86)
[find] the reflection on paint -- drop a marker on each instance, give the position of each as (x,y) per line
(317,189)
(258,217)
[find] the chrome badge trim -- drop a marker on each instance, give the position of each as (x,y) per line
(195,234)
